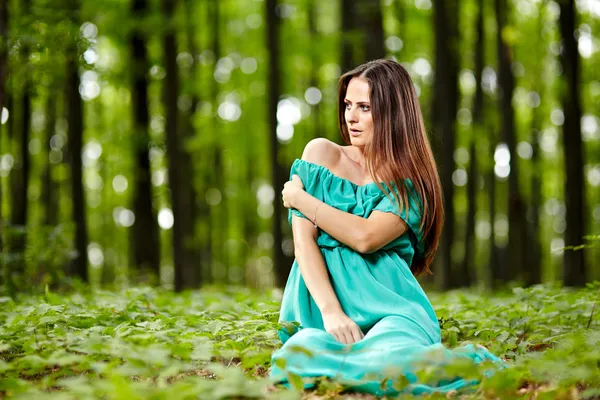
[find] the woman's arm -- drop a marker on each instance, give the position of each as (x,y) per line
(314,272)
(312,266)
(364,235)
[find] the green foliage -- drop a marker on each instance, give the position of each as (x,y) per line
(49,251)
(216,343)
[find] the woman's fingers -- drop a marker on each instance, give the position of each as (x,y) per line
(296,179)
(356,334)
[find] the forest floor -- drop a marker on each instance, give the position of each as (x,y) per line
(216,343)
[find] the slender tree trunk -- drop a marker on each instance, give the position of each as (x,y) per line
(22,163)
(75,121)
(372,28)
(445,100)
(3,51)
(348,35)
(219,219)
(400,12)
(495,272)
(574,270)
(533,274)
(314,69)
(199,207)
(3,76)
(282,267)
(144,234)
(185,268)
(362,32)
(49,196)
(468,265)
(517,238)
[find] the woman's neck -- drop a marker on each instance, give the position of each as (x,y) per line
(357,155)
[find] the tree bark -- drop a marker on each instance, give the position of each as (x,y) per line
(533,274)
(315,64)
(372,28)
(400,12)
(144,234)
(517,238)
(198,206)
(185,268)
(574,269)
(494,266)
(74,106)
(22,165)
(468,264)
(444,107)
(218,218)
(282,266)
(49,192)
(362,32)
(3,76)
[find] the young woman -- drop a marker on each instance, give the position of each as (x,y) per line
(366,220)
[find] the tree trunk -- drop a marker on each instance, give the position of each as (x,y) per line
(144,234)
(49,192)
(74,105)
(198,205)
(372,29)
(468,264)
(20,173)
(3,51)
(282,266)
(574,270)
(533,274)
(348,35)
(315,63)
(362,32)
(219,219)
(517,238)
(400,13)
(185,268)
(494,266)
(3,76)
(444,107)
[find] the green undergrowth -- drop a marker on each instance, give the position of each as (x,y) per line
(145,343)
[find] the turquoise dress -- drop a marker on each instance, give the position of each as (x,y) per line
(379,293)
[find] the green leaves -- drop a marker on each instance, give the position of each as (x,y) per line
(148,343)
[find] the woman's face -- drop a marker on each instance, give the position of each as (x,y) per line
(358,112)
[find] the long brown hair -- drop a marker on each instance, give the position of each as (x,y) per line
(399,148)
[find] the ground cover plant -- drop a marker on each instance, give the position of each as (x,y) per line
(216,343)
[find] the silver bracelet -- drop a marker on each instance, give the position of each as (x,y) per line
(315,220)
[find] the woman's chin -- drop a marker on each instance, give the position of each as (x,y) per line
(357,141)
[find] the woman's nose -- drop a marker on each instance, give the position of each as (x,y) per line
(351,116)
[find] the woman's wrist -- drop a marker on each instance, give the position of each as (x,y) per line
(332,308)
(297,199)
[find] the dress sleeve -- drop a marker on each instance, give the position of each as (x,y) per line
(411,215)
(311,175)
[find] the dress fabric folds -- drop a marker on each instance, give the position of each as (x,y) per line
(379,293)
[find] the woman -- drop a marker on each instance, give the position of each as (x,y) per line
(366,219)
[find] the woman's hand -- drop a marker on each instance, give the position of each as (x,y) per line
(342,327)
(291,189)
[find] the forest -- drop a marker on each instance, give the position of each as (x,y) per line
(144,145)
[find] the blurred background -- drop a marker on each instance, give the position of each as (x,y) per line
(147,141)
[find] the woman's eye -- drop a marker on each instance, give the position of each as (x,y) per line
(364,107)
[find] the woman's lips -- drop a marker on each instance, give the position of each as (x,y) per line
(355,132)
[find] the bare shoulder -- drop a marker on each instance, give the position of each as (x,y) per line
(323,152)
